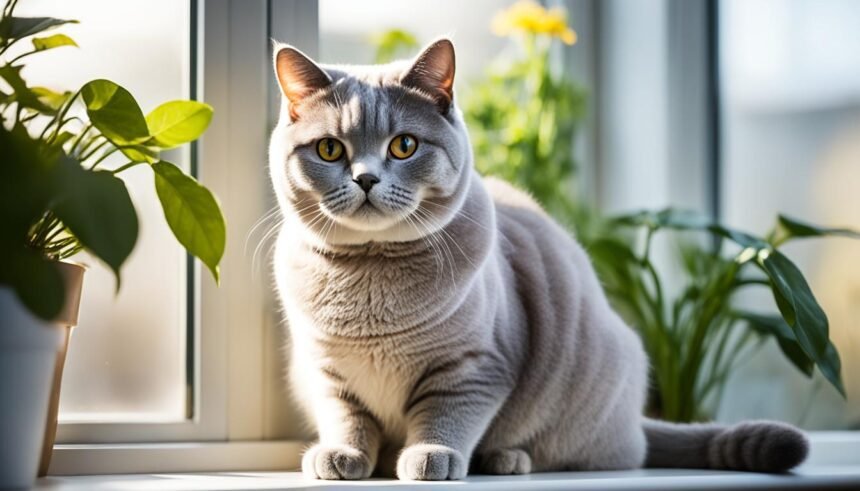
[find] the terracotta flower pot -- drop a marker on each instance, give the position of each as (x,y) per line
(73,275)
(28,362)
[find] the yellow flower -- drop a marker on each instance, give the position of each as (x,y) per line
(526,16)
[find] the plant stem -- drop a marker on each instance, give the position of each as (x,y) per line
(125,167)
(58,119)
(80,138)
(103,157)
(92,152)
(22,55)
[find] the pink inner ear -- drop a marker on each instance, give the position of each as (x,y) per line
(433,73)
(298,75)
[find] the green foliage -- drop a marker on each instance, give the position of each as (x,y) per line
(522,120)
(55,202)
(696,339)
(192,213)
(178,122)
(96,209)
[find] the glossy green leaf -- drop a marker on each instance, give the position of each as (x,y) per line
(801,310)
(831,368)
(21,27)
(777,327)
(192,214)
(114,112)
(97,209)
(796,228)
(51,42)
(174,123)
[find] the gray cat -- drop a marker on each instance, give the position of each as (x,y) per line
(442,322)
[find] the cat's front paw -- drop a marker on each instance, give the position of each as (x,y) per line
(505,462)
(428,462)
(335,462)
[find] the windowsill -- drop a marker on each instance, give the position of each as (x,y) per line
(806,477)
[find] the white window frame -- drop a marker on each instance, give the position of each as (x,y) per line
(236,372)
(233,366)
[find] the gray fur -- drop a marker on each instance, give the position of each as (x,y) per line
(453,323)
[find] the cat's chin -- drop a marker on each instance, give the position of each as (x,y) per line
(368,220)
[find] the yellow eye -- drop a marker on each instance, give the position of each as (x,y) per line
(402,146)
(329,149)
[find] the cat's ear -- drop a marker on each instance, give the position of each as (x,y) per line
(298,75)
(432,72)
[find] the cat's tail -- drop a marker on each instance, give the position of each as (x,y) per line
(758,446)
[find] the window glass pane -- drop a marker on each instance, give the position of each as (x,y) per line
(128,356)
(347,27)
(791,115)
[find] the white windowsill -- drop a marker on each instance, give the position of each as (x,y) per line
(808,477)
(259,465)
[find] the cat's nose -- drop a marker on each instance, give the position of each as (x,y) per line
(366,181)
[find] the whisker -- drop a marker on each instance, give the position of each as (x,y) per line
(268,235)
(459,212)
(446,234)
(449,256)
(436,259)
(259,223)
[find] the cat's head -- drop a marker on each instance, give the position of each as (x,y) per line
(369,153)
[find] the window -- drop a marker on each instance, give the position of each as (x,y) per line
(791,119)
(129,361)
(174,358)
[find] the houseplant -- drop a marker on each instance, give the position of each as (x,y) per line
(697,338)
(57,198)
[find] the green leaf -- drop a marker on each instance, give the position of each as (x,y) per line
(115,113)
(35,279)
(779,329)
(192,214)
(174,123)
(831,368)
(21,27)
(688,220)
(21,93)
(796,228)
(97,209)
(62,138)
(139,153)
(801,310)
(55,41)
(51,98)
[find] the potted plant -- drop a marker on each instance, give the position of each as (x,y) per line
(59,197)
(697,338)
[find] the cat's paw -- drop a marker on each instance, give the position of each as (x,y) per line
(335,462)
(504,462)
(428,462)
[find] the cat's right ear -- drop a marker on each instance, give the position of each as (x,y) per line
(298,75)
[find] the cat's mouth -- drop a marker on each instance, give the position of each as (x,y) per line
(367,210)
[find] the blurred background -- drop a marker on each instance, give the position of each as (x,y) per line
(736,109)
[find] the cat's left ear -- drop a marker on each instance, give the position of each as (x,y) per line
(298,75)
(432,72)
